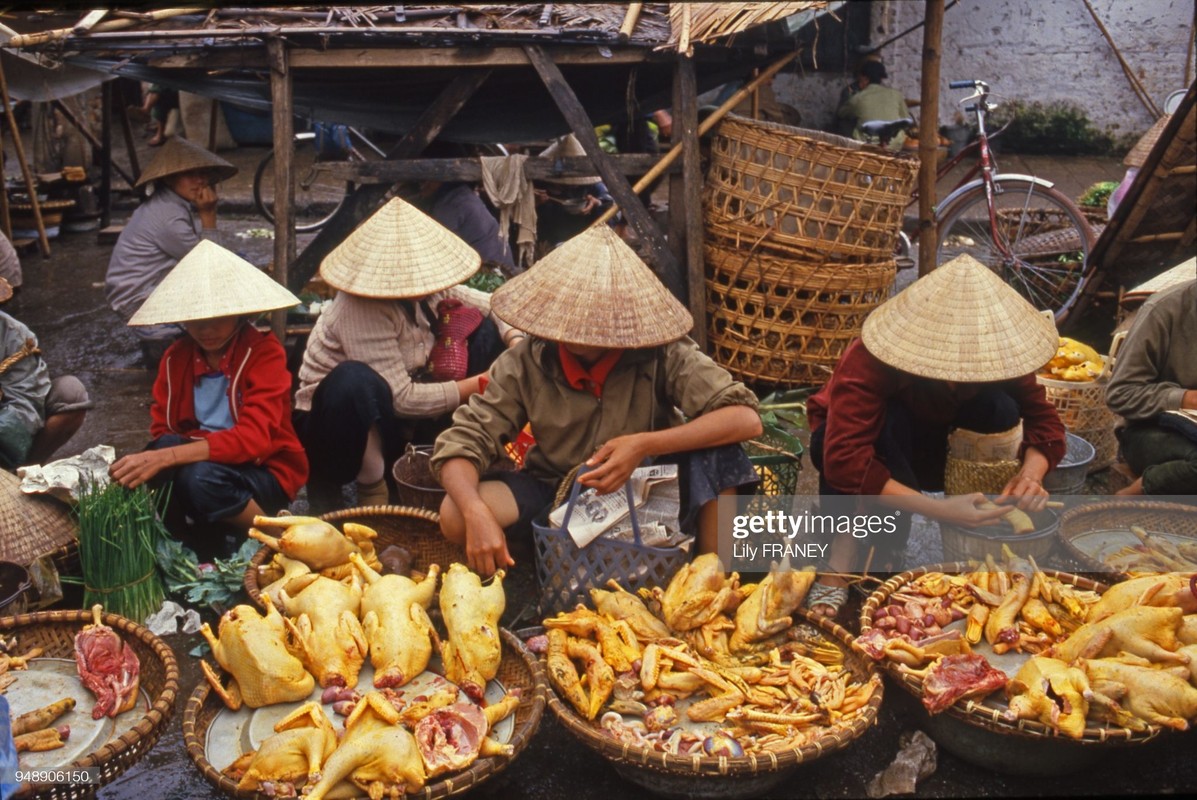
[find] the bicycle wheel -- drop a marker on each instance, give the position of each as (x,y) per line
(317,194)
(1039,242)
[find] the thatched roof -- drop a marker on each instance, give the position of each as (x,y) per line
(707,23)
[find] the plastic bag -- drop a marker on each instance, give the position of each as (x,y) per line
(332,141)
(44,576)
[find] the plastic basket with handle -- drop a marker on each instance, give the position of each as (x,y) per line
(567,572)
(777,458)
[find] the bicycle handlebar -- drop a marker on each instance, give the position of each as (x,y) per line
(962,84)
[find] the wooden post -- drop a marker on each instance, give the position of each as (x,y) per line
(685,131)
(284,189)
(81,126)
(19,149)
(617,183)
(106,154)
(213,111)
(929,134)
(130,142)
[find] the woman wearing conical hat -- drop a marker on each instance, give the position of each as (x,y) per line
(370,383)
(567,206)
(604,378)
(174,219)
(221,416)
(957,348)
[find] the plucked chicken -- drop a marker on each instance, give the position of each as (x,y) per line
(1173,589)
(698,592)
(1158,696)
(1052,692)
(1145,631)
(107,666)
(252,649)
(377,754)
(1187,632)
(318,544)
(290,568)
(395,621)
(619,604)
(329,639)
(453,737)
(294,755)
(471,652)
(766,612)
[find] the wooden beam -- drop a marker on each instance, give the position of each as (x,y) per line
(127,134)
(359,57)
(89,136)
(26,172)
(365,200)
(469,169)
(583,128)
(929,134)
(686,120)
(284,189)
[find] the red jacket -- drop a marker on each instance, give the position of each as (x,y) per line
(259,399)
(853,402)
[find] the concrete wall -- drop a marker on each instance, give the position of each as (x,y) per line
(1046,50)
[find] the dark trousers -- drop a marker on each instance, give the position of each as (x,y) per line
(1166,459)
(205,493)
(917,457)
(354,398)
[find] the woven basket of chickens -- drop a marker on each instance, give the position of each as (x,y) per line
(1127,537)
(519,673)
(404,538)
(107,746)
(702,746)
(979,648)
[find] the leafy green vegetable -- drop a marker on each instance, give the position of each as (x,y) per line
(485,281)
(220,582)
(1098,194)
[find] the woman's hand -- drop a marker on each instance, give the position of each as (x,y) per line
(1025,491)
(613,463)
(135,469)
(486,544)
(962,510)
(590,204)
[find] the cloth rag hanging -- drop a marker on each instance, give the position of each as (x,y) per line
(510,191)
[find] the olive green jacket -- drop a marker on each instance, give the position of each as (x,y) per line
(650,389)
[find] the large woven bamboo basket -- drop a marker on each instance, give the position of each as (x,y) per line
(416,529)
(785,321)
(805,193)
(1085,529)
(1083,410)
(986,716)
(519,669)
(54,632)
(749,776)
(34,526)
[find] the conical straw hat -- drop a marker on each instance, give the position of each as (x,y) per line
(399,252)
(593,291)
(211,282)
(567,146)
(960,323)
(1184,271)
(180,155)
(1137,156)
(33,525)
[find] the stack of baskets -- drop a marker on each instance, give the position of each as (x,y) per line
(801,233)
(1083,410)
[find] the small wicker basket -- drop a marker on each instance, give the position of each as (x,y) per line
(1176,519)
(1083,410)
(414,481)
(519,669)
(785,321)
(416,529)
(54,632)
(748,776)
(805,193)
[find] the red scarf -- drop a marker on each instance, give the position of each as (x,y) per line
(587,379)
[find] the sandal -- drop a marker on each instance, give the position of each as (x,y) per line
(833,597)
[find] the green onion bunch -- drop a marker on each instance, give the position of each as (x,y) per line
(119,531)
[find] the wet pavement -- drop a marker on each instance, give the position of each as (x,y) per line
(63,302)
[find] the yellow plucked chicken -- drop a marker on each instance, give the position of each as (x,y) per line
(377,755)
(471,652)
(396,624)
(293,755)
(252,649)
(1075,361)
(1158,696)
(1052,692)
(698,592)
(328,636)
(766,612)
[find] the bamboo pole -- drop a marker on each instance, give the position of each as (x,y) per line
(706,126)
(30,39)
(1136,86)
(19,149)
(629,21)
(929,133)
(281,94)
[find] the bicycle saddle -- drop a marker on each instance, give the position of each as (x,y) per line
(885,129)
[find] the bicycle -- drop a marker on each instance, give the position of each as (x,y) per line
(318,196)
(1029,233)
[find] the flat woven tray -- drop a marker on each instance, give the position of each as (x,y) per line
(1088,529)
(653,768)
(416,529)
(977,712)
(518,669)
(54,632)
